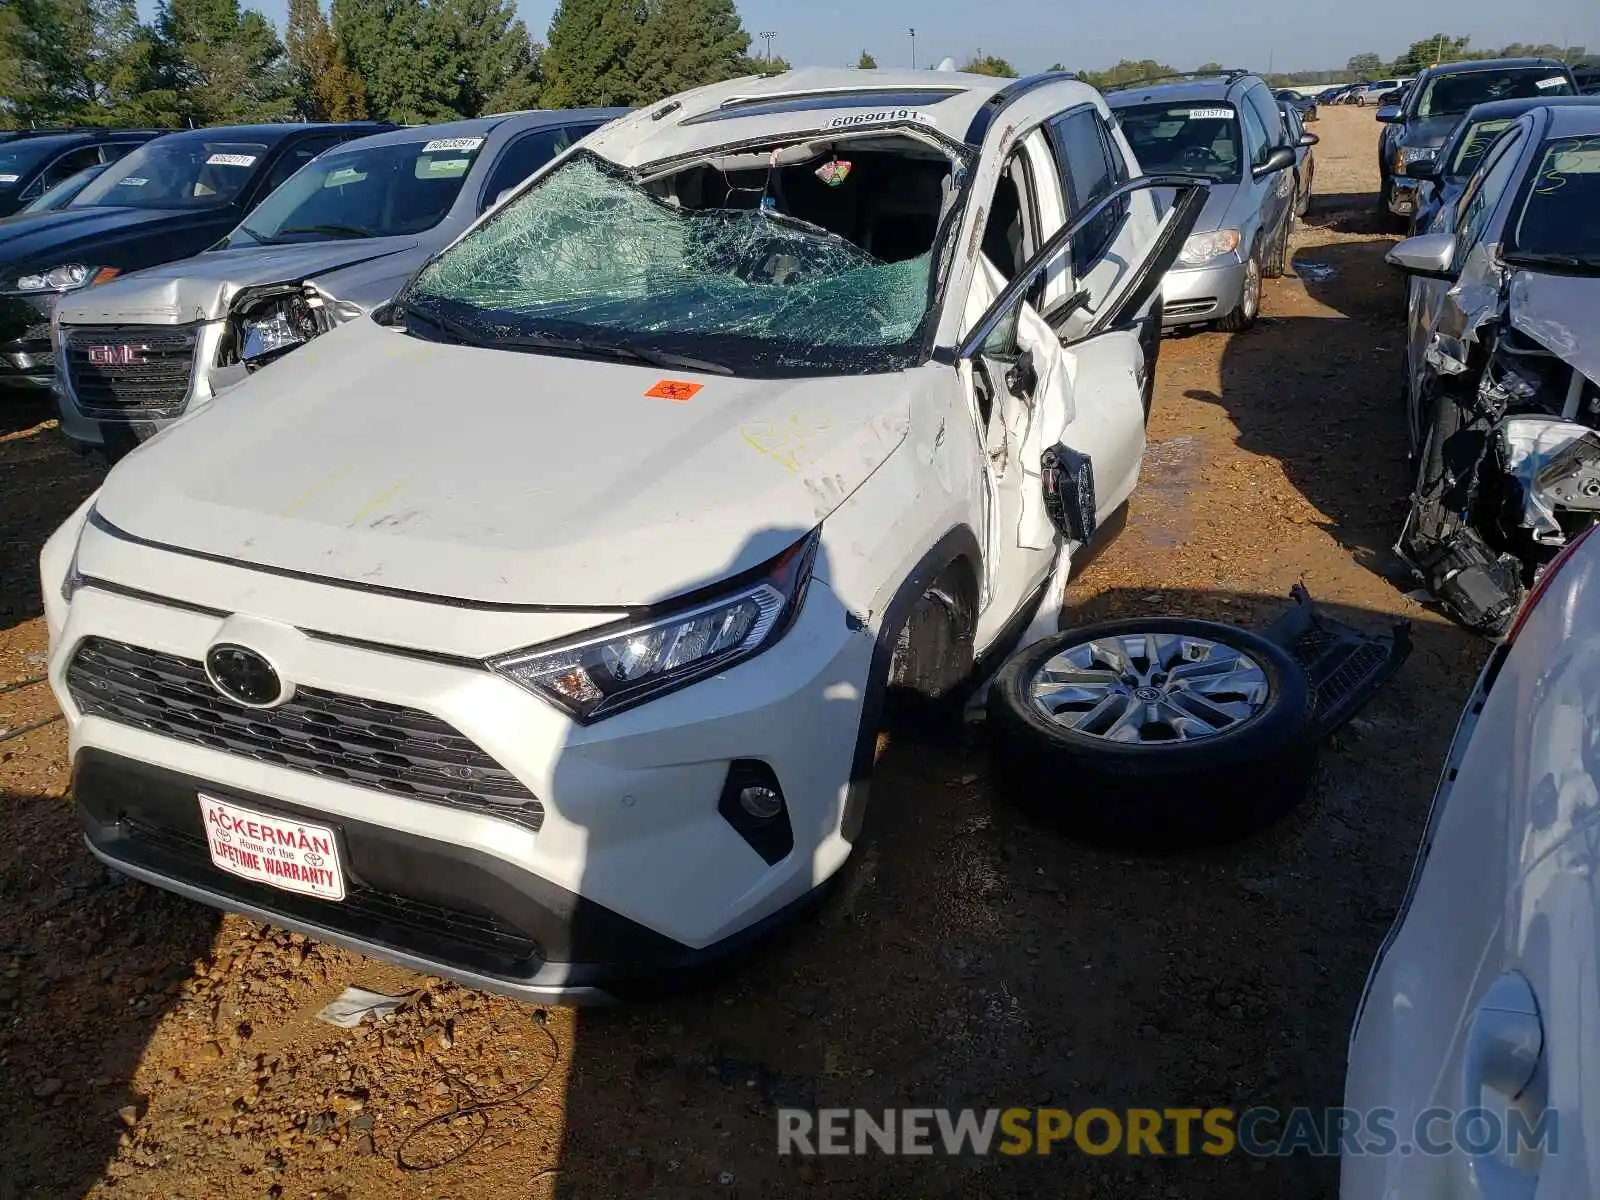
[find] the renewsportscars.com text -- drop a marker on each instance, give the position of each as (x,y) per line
(1259,1132)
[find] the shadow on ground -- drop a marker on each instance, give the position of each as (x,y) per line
(1332,415)
(40,484)
(972,959)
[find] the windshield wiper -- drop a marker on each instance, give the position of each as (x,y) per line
(656,358)
(559,345)
(1544,258)
(250,233)
(354,231)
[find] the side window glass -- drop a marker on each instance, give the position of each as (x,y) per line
(1483,193)
(110,152)
(525,156)
(1255,136)
(1087,174)
(1266,109)
(296,157)
(1006,244)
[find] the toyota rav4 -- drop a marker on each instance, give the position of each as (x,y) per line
(535,631)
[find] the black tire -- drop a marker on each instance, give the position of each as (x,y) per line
(1244,313)
(1163,795)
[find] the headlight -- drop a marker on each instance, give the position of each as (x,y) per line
(68,278)
(1406,155)
(270,335)
(1203,247)
(600,675)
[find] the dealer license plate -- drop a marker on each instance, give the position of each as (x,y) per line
(286,854)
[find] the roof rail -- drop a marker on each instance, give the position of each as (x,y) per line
(1229,73)
(1017,88)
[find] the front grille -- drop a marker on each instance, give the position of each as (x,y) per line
(157,385)
(366,743)
(471,938)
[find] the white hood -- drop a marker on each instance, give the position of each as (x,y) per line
(500,477)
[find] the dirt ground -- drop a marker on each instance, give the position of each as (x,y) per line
(152,1048)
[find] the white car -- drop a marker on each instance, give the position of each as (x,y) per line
(535,631)
(1472,1041)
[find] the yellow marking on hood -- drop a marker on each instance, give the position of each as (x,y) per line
(371,505)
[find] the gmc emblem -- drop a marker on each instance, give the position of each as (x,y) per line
(117,356)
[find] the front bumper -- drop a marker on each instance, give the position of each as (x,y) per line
(1191,295)
(1403,195)
(27,359)
(633,879)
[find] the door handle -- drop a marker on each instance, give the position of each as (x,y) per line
(1504,1046)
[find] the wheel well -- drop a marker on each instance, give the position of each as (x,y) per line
(933,647)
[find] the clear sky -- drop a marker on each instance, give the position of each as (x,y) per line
(1282,35)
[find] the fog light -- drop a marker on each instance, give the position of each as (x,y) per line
(762,803)
(752,802)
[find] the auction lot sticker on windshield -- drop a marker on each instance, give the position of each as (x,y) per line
(1210,114)
(466,143)
(231,160)
(878,118)
(9,178)
(1553,81)
(286,854)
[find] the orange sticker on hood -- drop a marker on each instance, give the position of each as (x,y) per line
(674,389)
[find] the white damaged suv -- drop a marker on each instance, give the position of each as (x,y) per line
(535,631)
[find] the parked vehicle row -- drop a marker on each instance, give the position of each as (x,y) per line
(1502,368)
(169,198)
(333,242)
(1417,128)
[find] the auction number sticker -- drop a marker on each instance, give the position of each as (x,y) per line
(674,389)
(1553,81)
(231,160)
(878,118)
(1210,114)
(462,143)
(9,178)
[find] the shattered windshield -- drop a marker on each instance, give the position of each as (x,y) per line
(366,191)
(1451,95)
(1199,138)
(1560,220)
(736,267)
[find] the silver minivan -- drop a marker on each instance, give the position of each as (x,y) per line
(1225,126)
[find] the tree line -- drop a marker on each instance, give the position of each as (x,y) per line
(1445,48)
(214,62)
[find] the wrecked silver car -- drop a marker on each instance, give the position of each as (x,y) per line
(1503,368)
(332,243)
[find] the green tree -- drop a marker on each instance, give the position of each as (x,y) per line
(226,64)
(589,57)
(988,64)
(72,60)
(499,63)
(1440,48)
(866,62)
(1210,68)
(406,54)
(1365,67)
(1126,71)
(326,86)
(776,65)
(684,44)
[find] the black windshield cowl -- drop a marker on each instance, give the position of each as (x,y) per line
(462,334)
(334,231)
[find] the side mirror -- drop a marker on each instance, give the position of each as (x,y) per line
(1309,139)
(1280,159)
(1427,255)
(1389,113)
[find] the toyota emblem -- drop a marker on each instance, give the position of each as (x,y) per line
(244,676)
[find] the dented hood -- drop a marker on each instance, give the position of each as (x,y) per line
(201,288)
(499,477)
(1561,313)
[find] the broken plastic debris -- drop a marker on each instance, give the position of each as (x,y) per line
(834,173)
(1315,271)
(355,1003)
